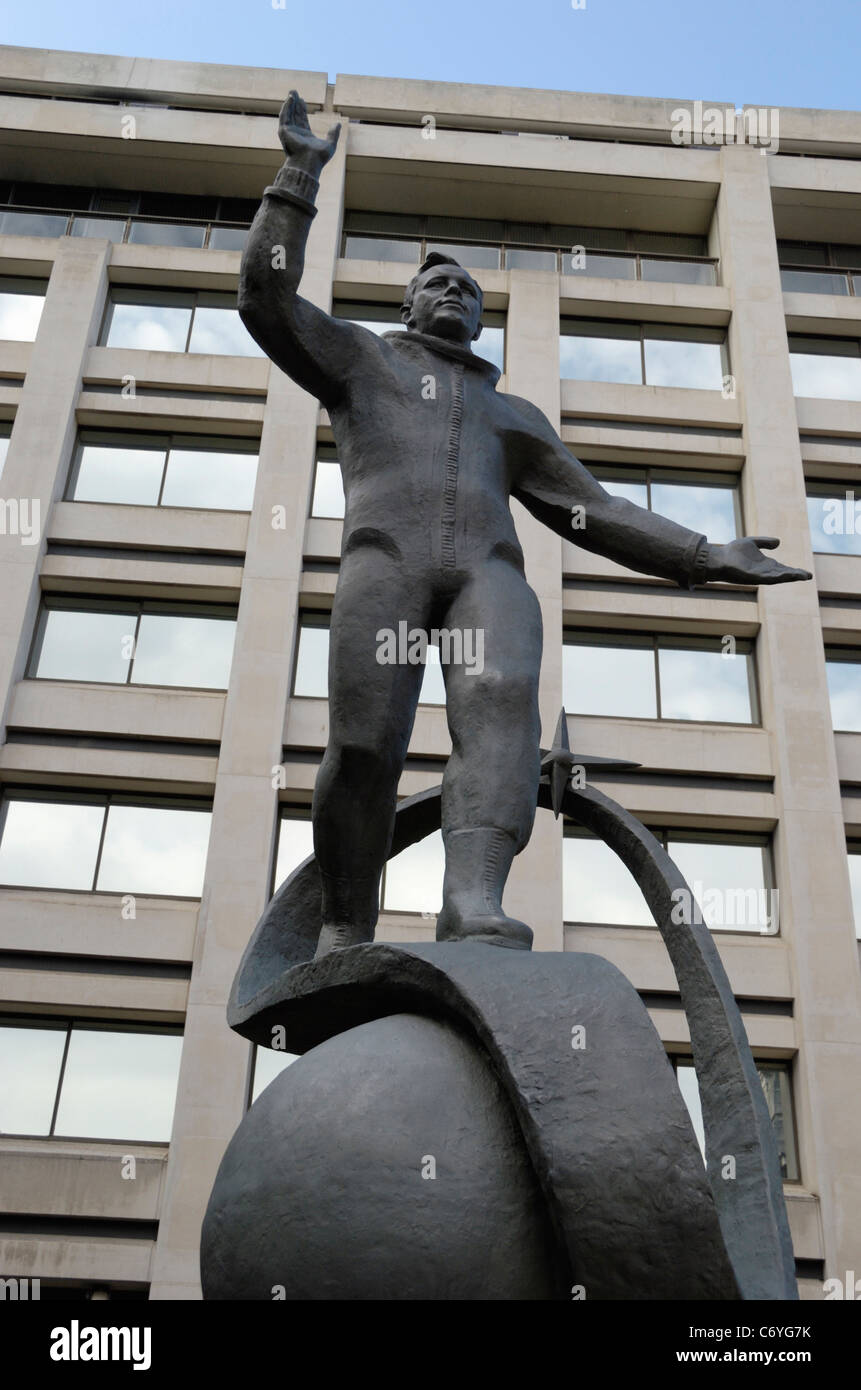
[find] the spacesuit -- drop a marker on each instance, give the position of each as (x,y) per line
(431,453)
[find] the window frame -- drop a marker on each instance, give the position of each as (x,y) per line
(168,297)
(85,797)
(89,206)
(844,655)
(67,1022)
(644,331)
(689,834)
(672,641)
(680,477)
(325,452)
(507,239)
(156,441)
(286,810)
(784,1064)
(137,608)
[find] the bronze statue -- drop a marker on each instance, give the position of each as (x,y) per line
(568,1166)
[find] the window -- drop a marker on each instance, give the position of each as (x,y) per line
(268,1063)
(33,223)
(853,850)
(412,880)
(128,642)
(637,354)
(814,282)
(775,1081)
(620,267)
(385,318)
(485,243)
(471,255)
(834,513)
(809,267)
(176,321)
(88,1079)
(677,272)
(695,500)
(5,431)
(518,258)
(312,664)
(729,875)
(112,228)
(295,843)
(147,218)
(328,498)
(166,234)
(21,304)
(843,670)
(203,472)
(635,676)
(365,248)
(593,264)
(826,368)
(107,844)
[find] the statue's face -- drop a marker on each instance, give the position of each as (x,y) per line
(446,303)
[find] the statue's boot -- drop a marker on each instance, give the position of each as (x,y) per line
(350,907)
(476,868)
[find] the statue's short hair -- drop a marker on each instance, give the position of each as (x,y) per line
(435,258)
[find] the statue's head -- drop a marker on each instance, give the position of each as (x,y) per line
(443,299)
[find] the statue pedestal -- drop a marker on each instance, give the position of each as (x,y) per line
(466,1122)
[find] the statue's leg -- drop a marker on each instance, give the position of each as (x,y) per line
(372,705)
(491,780)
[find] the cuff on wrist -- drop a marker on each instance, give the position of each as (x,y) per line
(284,195)
(699,564)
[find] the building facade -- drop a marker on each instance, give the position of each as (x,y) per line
(680,302)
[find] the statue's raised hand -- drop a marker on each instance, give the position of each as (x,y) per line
(302,147)
(742,562)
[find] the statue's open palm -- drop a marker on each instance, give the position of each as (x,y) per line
(742,562)
(297,137)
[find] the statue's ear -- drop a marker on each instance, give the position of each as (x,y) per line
(407,315)
(477,333)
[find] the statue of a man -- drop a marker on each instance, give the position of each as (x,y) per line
(430,453)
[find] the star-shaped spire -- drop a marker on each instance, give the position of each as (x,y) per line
(559,762)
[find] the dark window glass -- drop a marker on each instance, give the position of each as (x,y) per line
(678,272)
(166,234)
(33,223)
(813,282)
(228,238)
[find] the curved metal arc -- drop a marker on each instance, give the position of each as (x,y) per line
(750,1204)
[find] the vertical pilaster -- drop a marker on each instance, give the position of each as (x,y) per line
(42,440)
(214,1070)
(535,888)
(810,847)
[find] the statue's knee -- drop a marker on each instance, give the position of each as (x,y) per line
(361,766)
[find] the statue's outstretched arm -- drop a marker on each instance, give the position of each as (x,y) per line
(557,489)
(313,348)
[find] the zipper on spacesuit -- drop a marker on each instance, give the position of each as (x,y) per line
(449,493)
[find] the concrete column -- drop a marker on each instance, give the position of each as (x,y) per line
(535,888)
(810,849)
(42,440)
(214,1070)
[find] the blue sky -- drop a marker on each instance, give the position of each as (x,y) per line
(762,52)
